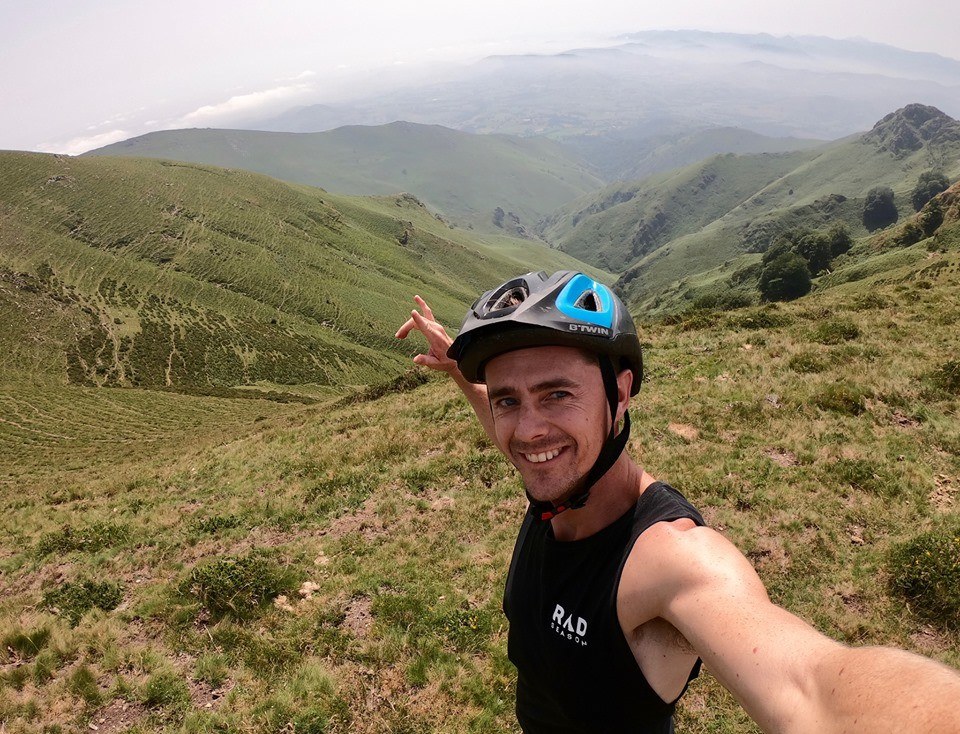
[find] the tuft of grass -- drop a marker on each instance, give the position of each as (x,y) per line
(807,363)
(25,644)
(835,331)
(212,669)
(947,376)
(841,398)
(769,317)
(165,689)
(75,598)
(215,523)
(926,570)
(864,474)
(83,684)
(238,586)
(89,539)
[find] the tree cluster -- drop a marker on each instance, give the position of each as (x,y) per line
(787,266)
(928,185)
(880,210)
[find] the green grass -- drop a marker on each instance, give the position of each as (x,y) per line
(396,519)
(140,273)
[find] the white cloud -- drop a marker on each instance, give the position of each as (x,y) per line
(244,104)
(76,146)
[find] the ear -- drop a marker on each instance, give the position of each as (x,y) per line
(624,383)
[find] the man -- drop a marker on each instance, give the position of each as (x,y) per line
(617,590)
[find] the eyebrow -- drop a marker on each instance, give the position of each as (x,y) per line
(539,387)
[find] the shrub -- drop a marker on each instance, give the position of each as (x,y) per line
(784,278)
(237,585)
(834,331)
(911,234)
(926,570)
(839,238)
(870,301)
(879,209)
(928,185)
(725,301)
(74,599)
(840,398)
(930,218)
(815,249)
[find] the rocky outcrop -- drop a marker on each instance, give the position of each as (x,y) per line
(911,128)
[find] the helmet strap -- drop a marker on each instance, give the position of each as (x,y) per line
(609,452)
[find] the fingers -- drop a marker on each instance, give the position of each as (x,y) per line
(402,332)
(427,311)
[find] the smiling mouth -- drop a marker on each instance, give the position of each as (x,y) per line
(543,456)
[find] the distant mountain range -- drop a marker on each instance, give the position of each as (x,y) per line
(665,82)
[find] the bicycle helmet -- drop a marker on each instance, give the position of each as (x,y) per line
(564,309)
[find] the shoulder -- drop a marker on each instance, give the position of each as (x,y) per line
(672,560)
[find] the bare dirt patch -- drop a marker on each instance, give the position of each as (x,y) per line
(781,457)
(685,431)
(204,696)
(904,421)
(119,715)
(929,641)
(365,521)
(358,619)
(769,555)
(944,492)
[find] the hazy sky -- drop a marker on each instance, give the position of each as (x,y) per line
(76,74)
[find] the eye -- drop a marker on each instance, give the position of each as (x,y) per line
(559,395)
(504,403)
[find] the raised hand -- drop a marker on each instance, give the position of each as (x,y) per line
(437,339)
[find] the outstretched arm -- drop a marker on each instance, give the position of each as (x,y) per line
(787,675)
(436,359)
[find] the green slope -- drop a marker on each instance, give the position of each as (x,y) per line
(153,274)
(626,221)
(401,517)
(676,225)
(464,177)
(620,156)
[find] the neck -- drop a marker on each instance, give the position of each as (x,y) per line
(615,493)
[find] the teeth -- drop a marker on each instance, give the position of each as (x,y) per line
(540,458)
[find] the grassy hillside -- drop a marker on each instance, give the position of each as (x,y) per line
(338,567)
(626,221)
(465,177)
(626,155)
(153,274)
(674,226)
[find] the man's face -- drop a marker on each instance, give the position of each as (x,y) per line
(551,416)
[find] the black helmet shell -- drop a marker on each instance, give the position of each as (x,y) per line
(565,309)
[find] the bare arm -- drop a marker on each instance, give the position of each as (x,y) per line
(438,341)
(788,676)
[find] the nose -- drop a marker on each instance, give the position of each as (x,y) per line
(531,425)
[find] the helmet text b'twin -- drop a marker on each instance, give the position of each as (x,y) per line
(589,329)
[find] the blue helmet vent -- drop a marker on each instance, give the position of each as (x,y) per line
(586,300)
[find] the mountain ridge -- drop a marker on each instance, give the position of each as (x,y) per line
(463,176)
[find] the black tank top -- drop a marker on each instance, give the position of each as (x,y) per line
(576,672)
